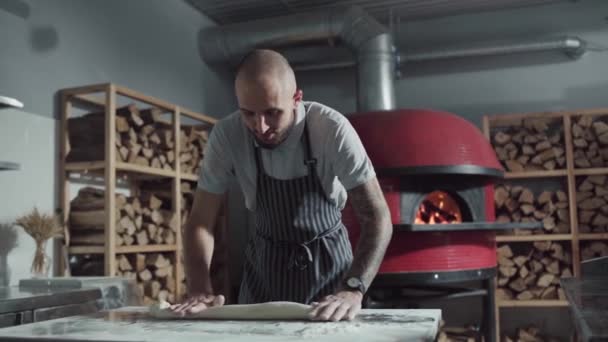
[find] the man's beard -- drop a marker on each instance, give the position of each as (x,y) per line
(267,146)
(281,139)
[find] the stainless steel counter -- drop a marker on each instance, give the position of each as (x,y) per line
(8,166)
(133,324)
(13,298)
(26,305)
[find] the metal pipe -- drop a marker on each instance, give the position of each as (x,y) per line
(324,66)
(573,47)
(366,38)
(375,74)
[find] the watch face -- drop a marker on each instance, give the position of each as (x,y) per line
(353,282)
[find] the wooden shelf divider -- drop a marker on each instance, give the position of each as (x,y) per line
(531,303)
(532,238)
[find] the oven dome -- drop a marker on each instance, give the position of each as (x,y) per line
(425,141)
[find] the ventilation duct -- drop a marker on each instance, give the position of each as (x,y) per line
(368,40)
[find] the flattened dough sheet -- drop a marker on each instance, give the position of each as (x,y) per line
(261,311)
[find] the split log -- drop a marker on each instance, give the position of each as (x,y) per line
(529,333)
(123,263)
(594,249)
(466,333)
(145,275)
(140,262)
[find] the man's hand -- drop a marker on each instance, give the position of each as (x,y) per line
(344,305)
(198,303)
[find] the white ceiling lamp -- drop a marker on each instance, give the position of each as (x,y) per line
(9,102)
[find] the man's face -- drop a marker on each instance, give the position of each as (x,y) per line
(268,110)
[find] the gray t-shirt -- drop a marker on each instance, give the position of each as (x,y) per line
(342,162)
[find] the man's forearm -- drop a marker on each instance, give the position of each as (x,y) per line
(198,251)
(376,230)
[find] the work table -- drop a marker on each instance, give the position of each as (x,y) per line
(131,324)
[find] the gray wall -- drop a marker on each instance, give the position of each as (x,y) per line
(474,87)
(148,45)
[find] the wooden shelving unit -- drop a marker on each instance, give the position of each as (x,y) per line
(536,174)
(575,238)
(105,98)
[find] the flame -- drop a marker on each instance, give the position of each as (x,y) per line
(438,207)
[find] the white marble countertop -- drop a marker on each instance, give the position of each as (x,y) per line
(131,324)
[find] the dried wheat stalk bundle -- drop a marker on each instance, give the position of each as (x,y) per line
(41,227)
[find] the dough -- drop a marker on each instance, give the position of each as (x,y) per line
(261,311)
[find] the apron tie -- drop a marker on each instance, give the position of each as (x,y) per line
(301,255)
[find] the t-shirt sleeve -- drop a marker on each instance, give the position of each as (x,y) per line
(217,168)
(350,163)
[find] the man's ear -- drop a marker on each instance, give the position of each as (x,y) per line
(298,95)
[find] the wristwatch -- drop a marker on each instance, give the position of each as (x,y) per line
(355,283)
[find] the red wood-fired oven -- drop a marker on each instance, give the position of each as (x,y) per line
(437,173)
(420,152)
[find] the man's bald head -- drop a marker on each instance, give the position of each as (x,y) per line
(266,68)
(267,95)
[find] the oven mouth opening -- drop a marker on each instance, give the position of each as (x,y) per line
(439,207)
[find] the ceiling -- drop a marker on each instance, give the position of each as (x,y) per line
(234,11)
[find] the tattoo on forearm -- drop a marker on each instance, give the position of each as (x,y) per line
(373,215)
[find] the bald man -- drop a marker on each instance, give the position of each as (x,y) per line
(296,163)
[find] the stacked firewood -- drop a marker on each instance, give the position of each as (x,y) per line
(140,220)
(534,273)
(594,249)
(468,333)
(516,203)
(193,141)
(163,190)
(590,140)
(220,261)
(530,334)
(592,203)
(154,273)
(531,145)
(143,137)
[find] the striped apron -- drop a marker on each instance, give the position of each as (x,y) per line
(300,250)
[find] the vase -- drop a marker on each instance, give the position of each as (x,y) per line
(42,262)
